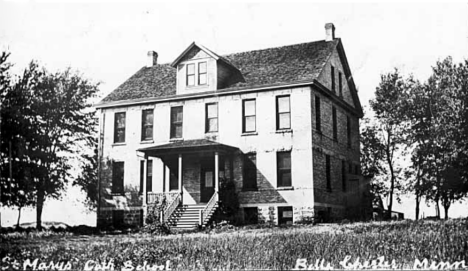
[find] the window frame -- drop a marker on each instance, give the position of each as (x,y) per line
(244,116)
(188,75)
(348,131)
(202,73)
(250,183)
(281,219)
(145,126)
(207,118)
(328,172)
(340,83)
(278,113)
(281,171)
(117,128)
(149,175)
(118,183)
(250,212)
(332,77)
(174,123)
(343,175)
(335,123)
(318,114)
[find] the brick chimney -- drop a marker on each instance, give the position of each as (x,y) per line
(152,59)
(329,32)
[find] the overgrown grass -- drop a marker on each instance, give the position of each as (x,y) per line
(276,248)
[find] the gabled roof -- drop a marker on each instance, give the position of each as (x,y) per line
(268,67)
(192,45)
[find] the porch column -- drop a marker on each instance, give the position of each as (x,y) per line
(180,174)
(216,172)
(167,178)
(145,175)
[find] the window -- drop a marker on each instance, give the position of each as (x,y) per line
(119,127)
(147,125)
(117,177)
(356,169)
(332,74)
(202,73)
(250,215)
(318,117)
(211,120)
(285,215)
(328,172)
(335,125)
(173,173)
(149,176)
(118,218)
(173,181)
(176,121)
(348,131)
(248,116)
(283,113)
(250,172)
(340,83)
(191,74)
(343,175)
(284,169)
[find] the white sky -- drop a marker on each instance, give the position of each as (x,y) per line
(108,42)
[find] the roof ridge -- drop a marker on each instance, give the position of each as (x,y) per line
(277,47)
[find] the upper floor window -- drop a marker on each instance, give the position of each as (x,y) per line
(191,74)
(335,124)
(211,119)
(250,172)
(176,121)
(348,130)
(248,116)
(318,117)
(283,113)
(328,172)
(197,74)
(284,168)
(202,73)
(117,177)
(340,83)
(119,127)
(147,124)
(332,74)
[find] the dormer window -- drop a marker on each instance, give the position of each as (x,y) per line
(197,74)
(202,73)
(191,74)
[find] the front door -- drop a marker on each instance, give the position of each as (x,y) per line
(207,179)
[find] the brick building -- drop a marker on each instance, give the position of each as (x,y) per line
(282,124)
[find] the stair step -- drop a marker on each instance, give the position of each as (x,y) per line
(187,216)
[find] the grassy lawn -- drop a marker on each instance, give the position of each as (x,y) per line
(244,248)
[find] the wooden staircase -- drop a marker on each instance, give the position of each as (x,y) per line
(187,217)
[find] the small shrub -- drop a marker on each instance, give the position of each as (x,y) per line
(153,219)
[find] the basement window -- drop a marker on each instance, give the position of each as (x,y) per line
(285,215)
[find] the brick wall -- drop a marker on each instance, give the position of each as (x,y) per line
(333,202)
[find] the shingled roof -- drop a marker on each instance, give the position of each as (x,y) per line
(267,67)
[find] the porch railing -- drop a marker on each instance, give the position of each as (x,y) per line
(210,206)
(156,197)
(171,207)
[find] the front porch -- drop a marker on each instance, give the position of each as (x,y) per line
(192,172)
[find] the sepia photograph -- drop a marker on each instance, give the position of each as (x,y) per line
(158,135)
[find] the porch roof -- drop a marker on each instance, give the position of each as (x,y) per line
(186,146)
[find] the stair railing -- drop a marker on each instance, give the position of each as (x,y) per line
(210,206)
(170,208)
